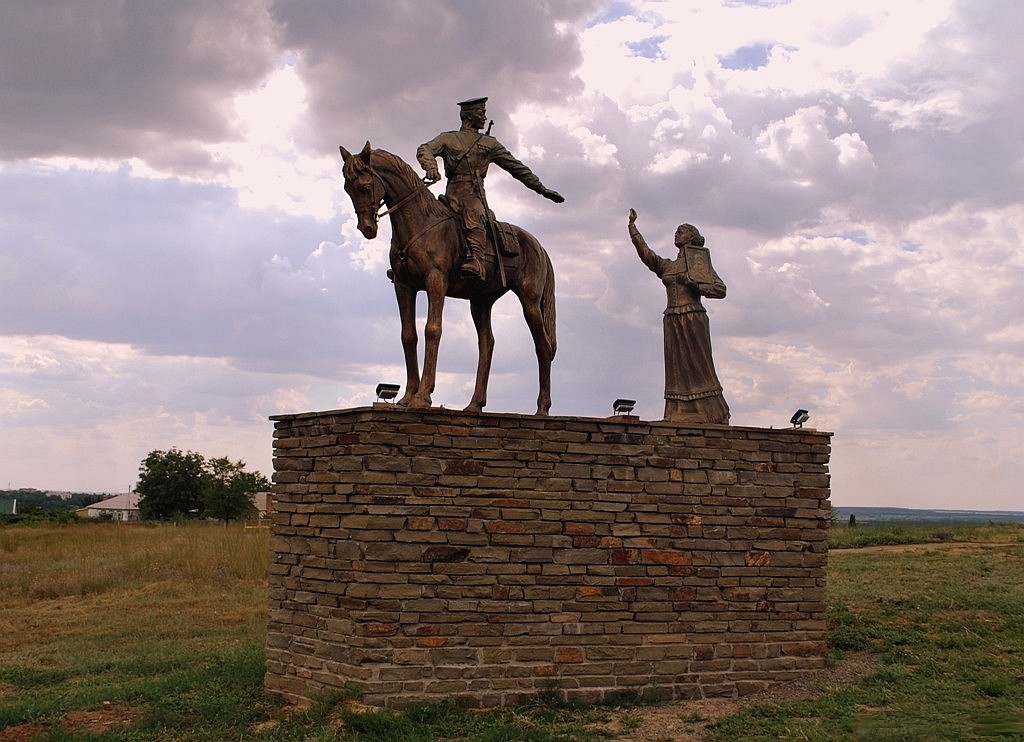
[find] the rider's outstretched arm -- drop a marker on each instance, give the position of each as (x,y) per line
(504,159)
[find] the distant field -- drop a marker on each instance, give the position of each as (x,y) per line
(136,632)
(918,516)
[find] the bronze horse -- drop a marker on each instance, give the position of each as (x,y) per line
(425,256)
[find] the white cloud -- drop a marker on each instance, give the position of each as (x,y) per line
(804,147)
(265,166)
(183,262)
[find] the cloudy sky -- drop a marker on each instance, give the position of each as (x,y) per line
(179,261)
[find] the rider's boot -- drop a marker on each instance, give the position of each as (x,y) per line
(474,263)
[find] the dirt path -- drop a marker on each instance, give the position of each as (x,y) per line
(686,721)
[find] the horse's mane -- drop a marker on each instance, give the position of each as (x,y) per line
(396,164)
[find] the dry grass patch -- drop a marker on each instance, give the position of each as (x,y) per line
(77,560)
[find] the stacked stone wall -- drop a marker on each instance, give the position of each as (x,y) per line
(424,555)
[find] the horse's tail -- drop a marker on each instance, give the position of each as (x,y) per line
(547,303)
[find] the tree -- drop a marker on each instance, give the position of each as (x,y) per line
(228,490)
(170,484)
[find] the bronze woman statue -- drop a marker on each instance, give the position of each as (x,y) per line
(693,393)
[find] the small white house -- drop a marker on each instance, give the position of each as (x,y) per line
(119,507)
(264,502)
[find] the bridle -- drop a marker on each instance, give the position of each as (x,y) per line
(401,202)
(379,203)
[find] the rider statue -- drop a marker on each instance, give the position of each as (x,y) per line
(467,153)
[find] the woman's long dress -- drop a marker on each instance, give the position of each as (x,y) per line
(693,392)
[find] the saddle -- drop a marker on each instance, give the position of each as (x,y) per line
(502,232)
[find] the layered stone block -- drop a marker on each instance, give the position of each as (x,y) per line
(430,554)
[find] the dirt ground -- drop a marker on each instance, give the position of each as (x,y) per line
(686,721)
(94,721)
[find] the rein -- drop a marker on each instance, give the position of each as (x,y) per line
(402,202)
(404,251)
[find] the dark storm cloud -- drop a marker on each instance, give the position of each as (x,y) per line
(152,80)
(114,79)
(175,268)
(393,70)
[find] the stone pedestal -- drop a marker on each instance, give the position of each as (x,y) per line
(430,554)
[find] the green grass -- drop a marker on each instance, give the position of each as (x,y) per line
(158,632)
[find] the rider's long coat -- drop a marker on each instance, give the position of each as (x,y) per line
(466,155)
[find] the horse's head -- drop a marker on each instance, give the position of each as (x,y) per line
(364,187)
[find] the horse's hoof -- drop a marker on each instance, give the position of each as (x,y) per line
(473,409)
(418,403)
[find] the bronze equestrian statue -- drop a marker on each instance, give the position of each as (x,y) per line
(427,249)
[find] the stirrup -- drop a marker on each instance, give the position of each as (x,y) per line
(473,267)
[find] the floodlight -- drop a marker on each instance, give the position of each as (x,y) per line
(386,392)
(623,406)
(799,418)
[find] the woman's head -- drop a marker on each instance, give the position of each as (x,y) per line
(687,234)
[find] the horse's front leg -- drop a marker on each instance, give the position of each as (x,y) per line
(436,286)
(407,312)
(481,312)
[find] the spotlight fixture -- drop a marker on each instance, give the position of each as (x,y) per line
(387,392)
(623,406)
(799,418)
